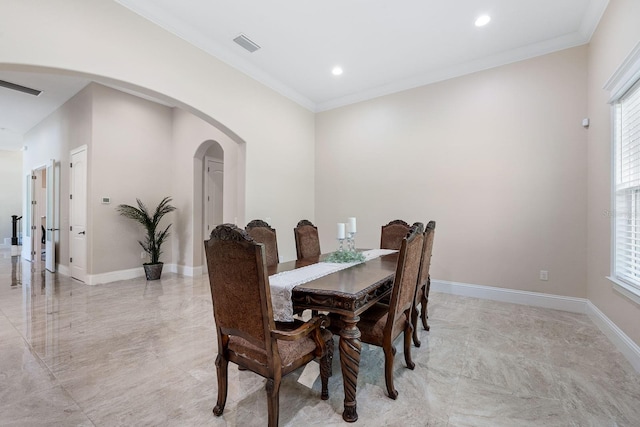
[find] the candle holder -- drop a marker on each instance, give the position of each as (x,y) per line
(348,254)
(351,241)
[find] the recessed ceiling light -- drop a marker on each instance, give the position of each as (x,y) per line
(482,20)
(337,70)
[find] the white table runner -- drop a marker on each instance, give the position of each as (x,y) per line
(283,283)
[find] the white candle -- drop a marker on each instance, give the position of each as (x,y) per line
(341,227)
(351,227)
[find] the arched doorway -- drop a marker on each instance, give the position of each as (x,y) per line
(212,204)
(213,197)
(185,129)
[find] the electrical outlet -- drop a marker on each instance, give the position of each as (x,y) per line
(143,254)
(544,275)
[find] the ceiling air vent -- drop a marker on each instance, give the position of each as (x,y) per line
(23,89)
(246,43)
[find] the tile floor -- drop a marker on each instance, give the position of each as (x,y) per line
(133,353)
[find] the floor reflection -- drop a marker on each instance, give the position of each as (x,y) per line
(16,271)
(143,353)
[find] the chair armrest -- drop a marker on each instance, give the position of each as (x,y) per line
(303,330)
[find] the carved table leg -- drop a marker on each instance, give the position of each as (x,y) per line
(350,363)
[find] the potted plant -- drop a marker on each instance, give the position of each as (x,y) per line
(155,238)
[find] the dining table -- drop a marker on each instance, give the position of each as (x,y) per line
(347,292)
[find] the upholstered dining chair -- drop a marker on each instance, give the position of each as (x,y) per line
(424,282)
(392,234)
(307,240)
(262,232)
(247,333)
(381,324)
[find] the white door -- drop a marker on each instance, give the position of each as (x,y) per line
(214,180)
(28,234)
(52,226)
(78,215)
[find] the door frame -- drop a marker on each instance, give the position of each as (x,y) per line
(52,210)
(27,223)
(31,244)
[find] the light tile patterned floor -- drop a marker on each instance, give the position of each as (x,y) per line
(142,354)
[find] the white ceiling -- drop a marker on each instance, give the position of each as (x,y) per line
(19,112)
(383,46)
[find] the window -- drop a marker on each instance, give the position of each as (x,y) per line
(625,88)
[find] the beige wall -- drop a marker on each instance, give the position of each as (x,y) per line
(67,128)
(617,34)
(192,138)
(129,143)
(107,43)
(141,149)
(131,157)
(497,158)
(136,149)
(10,191)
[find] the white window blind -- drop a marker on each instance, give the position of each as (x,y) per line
(627,188)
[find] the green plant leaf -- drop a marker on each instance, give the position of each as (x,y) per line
(154,239)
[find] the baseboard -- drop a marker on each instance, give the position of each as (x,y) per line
(536,299)
(114,276)
(132,273)
(188,271)
(623,343)
(63,269)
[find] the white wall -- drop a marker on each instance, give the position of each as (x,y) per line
(108,43)
(497,158)
(141,149)
(191,139)
(67,128)
(617,34)
(131,157)
(279,196)
(10,191)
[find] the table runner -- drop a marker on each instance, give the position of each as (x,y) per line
(283,283)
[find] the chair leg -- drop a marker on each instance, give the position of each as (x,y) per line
(388,371)
(423,304)
(222,366)
(408,332)
(326,370)
(414,323)
(273,400)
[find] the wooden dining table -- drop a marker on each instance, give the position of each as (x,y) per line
(347,292)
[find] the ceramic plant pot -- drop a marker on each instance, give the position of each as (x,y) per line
(153,271)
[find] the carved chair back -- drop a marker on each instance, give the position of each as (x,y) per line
(404,286)
(262,232)
(392,234)
(381,324)
(307,239)
(239,286)
(427,249)
(424,282)
(246,331)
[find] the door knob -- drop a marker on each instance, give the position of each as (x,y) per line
(82,232)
